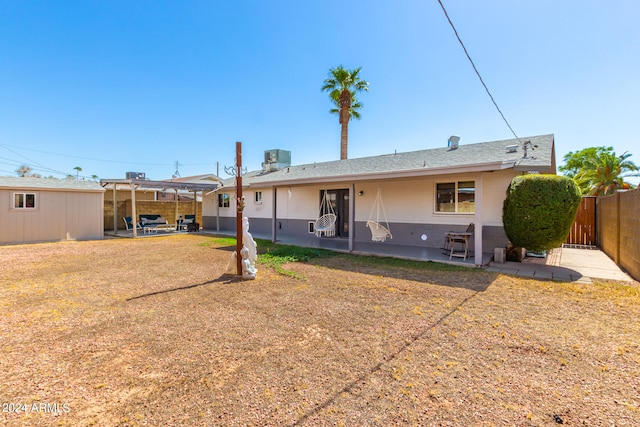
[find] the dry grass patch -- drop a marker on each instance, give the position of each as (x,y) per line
(151,332)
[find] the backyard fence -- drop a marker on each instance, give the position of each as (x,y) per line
(583,230)
(618,229)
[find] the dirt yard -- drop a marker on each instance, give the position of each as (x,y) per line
(152,332)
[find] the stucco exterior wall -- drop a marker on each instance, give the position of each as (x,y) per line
(410,201)
(59,215)
(495,186)
(253,209)
(409,205)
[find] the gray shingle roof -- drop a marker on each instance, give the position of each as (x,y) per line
(28,183)
(487,156)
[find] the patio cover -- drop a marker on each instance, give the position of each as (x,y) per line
(135,184)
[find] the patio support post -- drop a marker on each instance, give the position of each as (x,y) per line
(195,204)
(477,248)
(274,215)
(115,209)
(217,202)
(352,211)
(134,214)
(177,202)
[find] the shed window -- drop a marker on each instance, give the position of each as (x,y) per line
(456,197)
(24,200)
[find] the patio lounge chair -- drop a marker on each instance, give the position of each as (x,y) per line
(152,223)
(128,223)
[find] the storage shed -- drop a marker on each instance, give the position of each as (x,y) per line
(47,209)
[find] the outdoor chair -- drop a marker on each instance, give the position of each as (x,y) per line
(463,239)
(128,223)
(326,226)
(189,223)
(379,233)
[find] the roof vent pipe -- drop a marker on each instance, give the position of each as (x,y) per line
(453,141)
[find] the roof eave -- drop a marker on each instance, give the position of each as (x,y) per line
(409,173)
(159,185)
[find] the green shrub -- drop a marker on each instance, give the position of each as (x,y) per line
(539,210)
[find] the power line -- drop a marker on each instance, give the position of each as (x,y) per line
(76,157)
(36,166)
(477,72)
(96,160)
(33,164)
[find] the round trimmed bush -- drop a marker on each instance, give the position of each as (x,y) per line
(539,210)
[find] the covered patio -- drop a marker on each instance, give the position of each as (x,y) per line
(371,248)
(136,184)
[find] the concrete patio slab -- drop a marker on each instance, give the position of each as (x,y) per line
(574,265)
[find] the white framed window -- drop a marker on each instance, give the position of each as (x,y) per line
(223,200)
(456,197)
(24,200)
(257,197)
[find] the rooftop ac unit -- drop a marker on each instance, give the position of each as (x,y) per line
(136,175)
(276,159)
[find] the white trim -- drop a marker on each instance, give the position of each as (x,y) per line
(455,182)
(36,201)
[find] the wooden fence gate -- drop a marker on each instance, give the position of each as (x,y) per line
(583,230)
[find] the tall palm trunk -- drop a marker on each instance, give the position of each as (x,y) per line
(342,86)
(345,104)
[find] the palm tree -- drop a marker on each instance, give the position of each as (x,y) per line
(78,169)
(605,174)
(342,86)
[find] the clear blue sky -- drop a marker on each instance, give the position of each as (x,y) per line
(117,86)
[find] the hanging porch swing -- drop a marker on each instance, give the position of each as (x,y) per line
(379,233)
(325,225)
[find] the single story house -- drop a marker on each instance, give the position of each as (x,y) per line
(419,195)
(46,209)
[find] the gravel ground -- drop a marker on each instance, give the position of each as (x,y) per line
(151,331)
